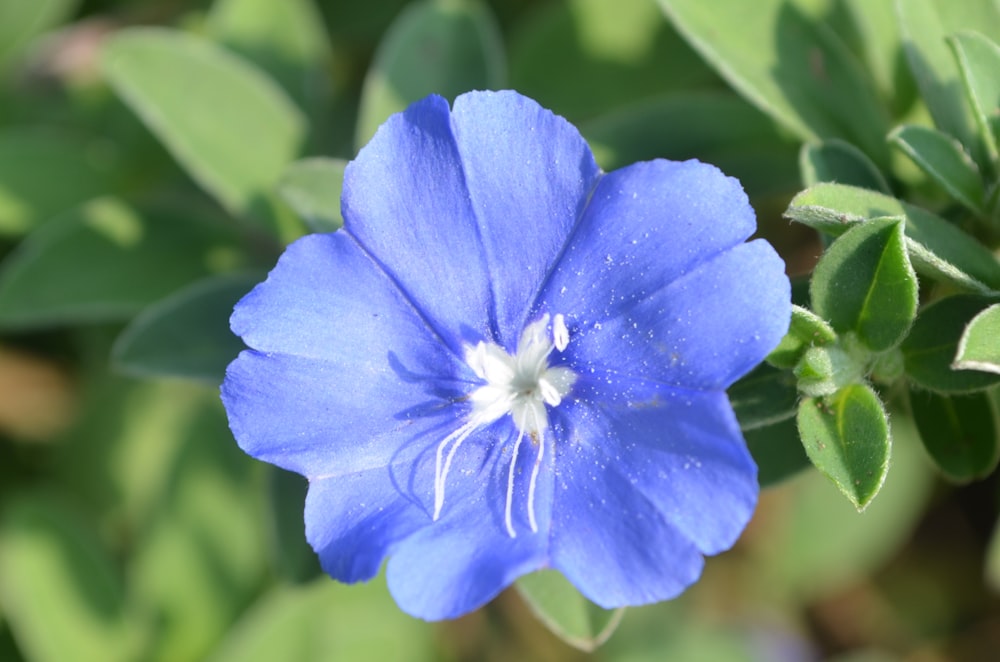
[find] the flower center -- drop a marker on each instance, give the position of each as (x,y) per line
(520,385)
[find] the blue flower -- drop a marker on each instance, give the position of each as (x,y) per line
(510,360)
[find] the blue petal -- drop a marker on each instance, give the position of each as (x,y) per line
(353,520)
(643,491)
(467,557)
(529,175)
(645,226)
(703,330)
(406,202)
(344,371)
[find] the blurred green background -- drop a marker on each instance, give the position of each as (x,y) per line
(155,157)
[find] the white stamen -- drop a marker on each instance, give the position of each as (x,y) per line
(521,385)
(510,484)
(560,334)
(534,476)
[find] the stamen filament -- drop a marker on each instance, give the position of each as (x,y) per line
(510,482)
(534,472)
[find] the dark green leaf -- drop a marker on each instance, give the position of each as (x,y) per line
(837,161)
(325,621)
(993,559)
(291,556)
(959,432)
(979,347)
(569,615)
(777,450)
(562,53)
(805,330)
(228,124)
(436,46)
(879,33)
(186,334)
(721,129)
(979,60)
(864,283)
(107,261)
(791,66)
(937,248)
(930,349)
(944,160)
(58,587)
(846,435)
(763,397)
(925,25)
(44,172)
(312,188)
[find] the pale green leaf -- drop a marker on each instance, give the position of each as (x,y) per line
(569,615)
(944,160)
(228,124)
(312,188)
(979,346)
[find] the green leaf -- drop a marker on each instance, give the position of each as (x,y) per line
(805,330)
(978,60)
(721,129)
(325,621)
(930,349)
(569,615)
(106,261)
(312,188)
(837,161)
(44,172)
(186,334)
(937,248)
(286,39)
(846,435)
(979,346)
(925,25)
(20,22)
(763,397)
(993,559)
(791,66)
(879,33)
(438,46)
(199,559)
(864,283)
(821,546)
(563,52)
(944,160)
(228,124)
(959,432)
(61,598)
(777,450)
(291,556)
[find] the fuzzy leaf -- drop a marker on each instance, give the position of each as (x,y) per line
(944,160)
(805,330)
(978,60)
(930,349)
(979,346)
(846,435)
(937,248)
(864,283)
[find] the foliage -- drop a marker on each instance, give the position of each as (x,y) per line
(156,157)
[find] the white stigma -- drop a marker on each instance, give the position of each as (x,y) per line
(520,385)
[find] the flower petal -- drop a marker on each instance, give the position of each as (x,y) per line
(704,330)
(645,226)
(684,452)
(406,202)
(467,557)
(529,175)
(614,544)
(346,372)
(353,520)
